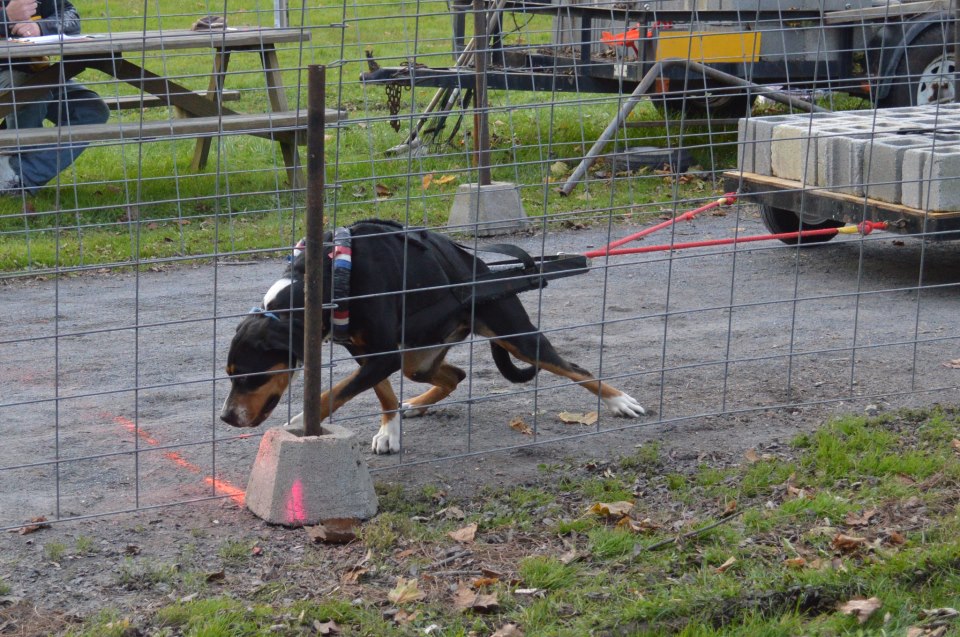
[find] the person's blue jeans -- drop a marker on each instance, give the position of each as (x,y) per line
(68,105)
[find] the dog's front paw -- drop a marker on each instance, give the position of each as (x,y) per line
(624,405)
(387,440)
(412,411)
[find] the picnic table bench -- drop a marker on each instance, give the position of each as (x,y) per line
(202,114)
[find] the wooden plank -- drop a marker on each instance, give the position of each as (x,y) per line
(268,125)
(247,38)
(125,102)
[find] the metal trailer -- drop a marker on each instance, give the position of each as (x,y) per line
(894,53)
(788,206)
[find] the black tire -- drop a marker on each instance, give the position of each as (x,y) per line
(780,220)
(720,102)
(922,75)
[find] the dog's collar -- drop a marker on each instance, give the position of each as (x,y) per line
(260,310)
(342,256)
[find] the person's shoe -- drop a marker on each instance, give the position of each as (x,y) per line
(9,179)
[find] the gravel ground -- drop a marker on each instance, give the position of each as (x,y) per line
(727,351)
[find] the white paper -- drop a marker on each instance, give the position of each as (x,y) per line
(47,39)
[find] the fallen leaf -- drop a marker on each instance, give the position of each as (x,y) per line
(571,555)
(795,562)
(219,576)
(464,535)
(334,531)
(427,180)
(481,582)
(955,445)
(405,592)
(508,630)
(646,525)
(466,599)
(612,509)
(517,424)
(571,418)
(730,509)
(896,538)
(954,364)
(382,191)
(352,575)
(326,628)
(403,617)
(446,179)
(862,609)
(752,456)
(726,565)
(35,525)
(861,519)
(939,613)
(847,543)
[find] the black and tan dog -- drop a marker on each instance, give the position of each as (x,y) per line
(396,322)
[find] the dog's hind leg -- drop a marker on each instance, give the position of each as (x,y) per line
(510,328)
(444,378)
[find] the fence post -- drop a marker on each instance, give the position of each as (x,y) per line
(313,252)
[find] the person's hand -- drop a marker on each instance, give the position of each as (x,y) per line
(25,29)
(21,10)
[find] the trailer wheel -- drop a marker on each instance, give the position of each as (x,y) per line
(924,73)
(779,220)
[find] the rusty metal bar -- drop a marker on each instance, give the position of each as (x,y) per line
(313,252)
(481,126)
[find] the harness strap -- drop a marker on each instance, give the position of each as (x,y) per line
(342,265)
(260,310)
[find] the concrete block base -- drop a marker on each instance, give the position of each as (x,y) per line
(487,210)
(300,480)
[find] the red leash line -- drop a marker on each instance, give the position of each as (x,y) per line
(727,200)
(863,228)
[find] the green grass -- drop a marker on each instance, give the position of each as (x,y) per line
(777,569)
(103,214)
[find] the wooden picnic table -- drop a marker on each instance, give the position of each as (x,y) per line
(109,53)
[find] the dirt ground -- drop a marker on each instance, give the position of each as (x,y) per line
(728,350)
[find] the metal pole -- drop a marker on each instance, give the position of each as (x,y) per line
(281,15)
(481,129)
(313,252)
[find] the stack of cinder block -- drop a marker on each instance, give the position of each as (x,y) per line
(908,156)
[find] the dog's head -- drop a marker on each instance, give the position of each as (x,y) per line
(260,364)
(267,347)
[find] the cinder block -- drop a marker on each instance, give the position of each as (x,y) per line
(488,209)
(833,155)
(930,180)
(755,146)
(883,170)
(793,153)
(846,171)
(300,480)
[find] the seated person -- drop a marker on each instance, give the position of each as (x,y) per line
(64,105)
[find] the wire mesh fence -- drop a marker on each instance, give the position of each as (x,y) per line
(126,274)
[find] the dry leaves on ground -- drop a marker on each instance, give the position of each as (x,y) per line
(517,424)
(405,592)
(467,599)
(464,535)
(862,609)
(612,509)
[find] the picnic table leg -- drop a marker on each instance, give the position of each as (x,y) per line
(278,102)
(201,151)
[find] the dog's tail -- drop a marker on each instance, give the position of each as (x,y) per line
(510,371)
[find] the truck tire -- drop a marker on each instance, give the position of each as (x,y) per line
(780,220)
(923,74)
